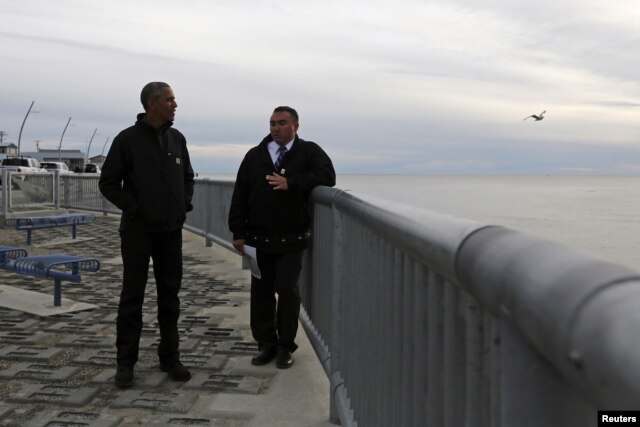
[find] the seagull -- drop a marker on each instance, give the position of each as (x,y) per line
(538,117)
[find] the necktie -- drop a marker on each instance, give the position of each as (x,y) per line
(281,152)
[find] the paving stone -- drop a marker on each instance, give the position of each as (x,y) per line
(97,357)
(110,318)
(23,338)
(194,319)
(75,317)
(215,333)
(74,419)
(200,361)
(73,327)
(188,312)
(87,341)
(11,324)
(205,302)
(103,302)
(148,343)
(227,383)
(156,401)
(150,319)
(38,372)
(141,379)
(215,421)
(30,353)
(5,412)
(238,348)
(65,396)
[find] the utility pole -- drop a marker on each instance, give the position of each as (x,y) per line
(2,135)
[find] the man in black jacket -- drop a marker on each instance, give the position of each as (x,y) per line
(270,210)
(148,175)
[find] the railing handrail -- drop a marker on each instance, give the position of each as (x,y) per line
(555,295)
(577,311)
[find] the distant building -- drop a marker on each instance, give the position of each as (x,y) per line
(72,158)
(8,149)
(98,160)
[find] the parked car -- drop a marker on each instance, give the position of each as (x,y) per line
(91,168)
(55,166)
(20,164)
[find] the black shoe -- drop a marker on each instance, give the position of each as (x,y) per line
(177,372)
(264,357)
(284,359)
(124,376)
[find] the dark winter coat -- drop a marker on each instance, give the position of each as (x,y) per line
(148,175)
(278,221)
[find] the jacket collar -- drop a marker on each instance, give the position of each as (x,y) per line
(140,121)
(267,139)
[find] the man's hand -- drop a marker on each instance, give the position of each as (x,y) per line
(278,182)
(239,245)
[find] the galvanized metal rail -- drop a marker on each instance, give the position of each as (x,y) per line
(423,319)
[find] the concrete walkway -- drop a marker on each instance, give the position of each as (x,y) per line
(57,365)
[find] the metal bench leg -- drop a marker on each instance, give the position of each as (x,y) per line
(57,292)
(29,236)
(73,231)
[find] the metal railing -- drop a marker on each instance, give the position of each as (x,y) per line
(423,319)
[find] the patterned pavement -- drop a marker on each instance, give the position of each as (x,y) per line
(58,370)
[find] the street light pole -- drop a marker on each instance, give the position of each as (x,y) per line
(104,146)
(60,146)
(22,127)
(86,159)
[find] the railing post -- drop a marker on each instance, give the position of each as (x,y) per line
(209,217)
(335,339)
(5,193)
(56,189)
(66,193)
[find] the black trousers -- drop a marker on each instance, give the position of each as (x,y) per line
(274,323)
(165,248)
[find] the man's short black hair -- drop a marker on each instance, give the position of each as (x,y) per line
(150,91)
(294,113)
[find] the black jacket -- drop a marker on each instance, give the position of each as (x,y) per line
(150,182)
(278,220)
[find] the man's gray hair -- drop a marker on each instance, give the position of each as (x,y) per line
(150,91)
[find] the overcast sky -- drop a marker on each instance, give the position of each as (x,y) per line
(402,86)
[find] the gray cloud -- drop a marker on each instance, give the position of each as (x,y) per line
(430,86)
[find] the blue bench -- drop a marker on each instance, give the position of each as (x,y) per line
(58,267)
(9,255)
(37,222)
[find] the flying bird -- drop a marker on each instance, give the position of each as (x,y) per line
(538,117)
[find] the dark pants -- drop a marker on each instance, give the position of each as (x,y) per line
(274,324)
(165,248)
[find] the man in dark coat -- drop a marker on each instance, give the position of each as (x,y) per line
(270,211)
(148,175)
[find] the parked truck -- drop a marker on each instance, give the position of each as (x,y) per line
(21,165)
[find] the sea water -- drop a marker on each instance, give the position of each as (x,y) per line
(599,214)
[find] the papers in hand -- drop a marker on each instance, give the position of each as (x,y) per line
(250,255)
